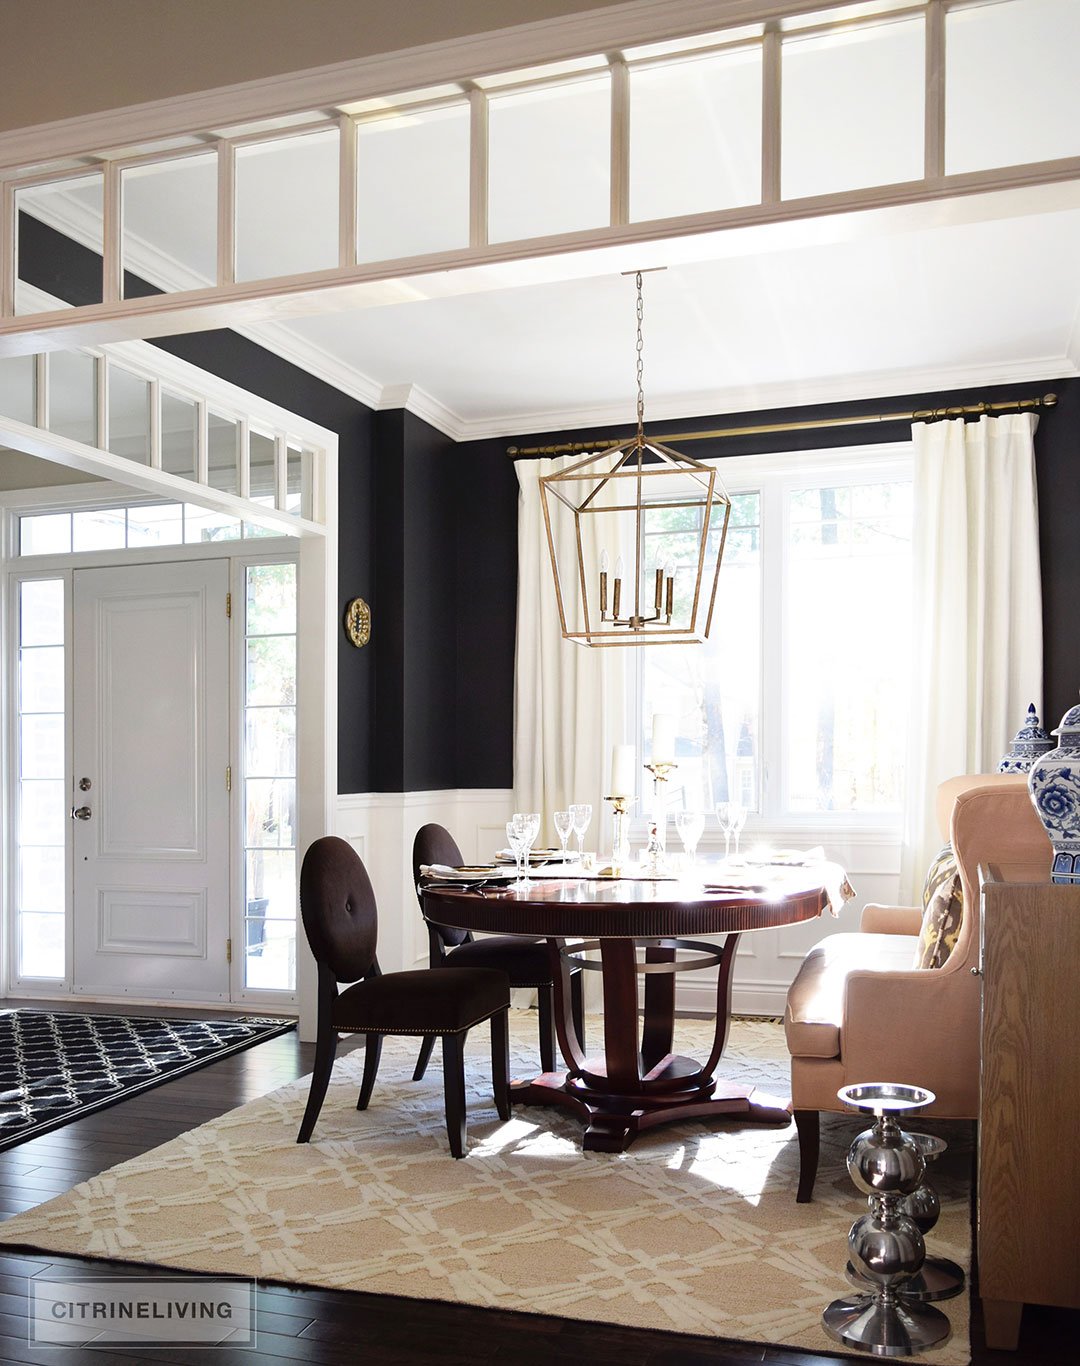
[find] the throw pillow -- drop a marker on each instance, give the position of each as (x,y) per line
(943,911)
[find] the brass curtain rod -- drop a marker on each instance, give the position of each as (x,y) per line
(810,424)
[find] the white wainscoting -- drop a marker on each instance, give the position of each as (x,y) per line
(381,826)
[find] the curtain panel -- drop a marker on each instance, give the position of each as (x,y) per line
(569,699)
(977,630)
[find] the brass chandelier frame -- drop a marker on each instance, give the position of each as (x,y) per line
(636,461)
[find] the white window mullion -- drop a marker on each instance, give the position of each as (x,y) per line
(620,143)
(478,168)
(7,251)
(41,389)
(771,103)
(347,191)
(281,471)
(773,542)
(934,128)
(101,374)
(111,236)
(155,424)
(226,224)
(244,439)
(202,445)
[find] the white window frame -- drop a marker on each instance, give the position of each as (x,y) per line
(774,477)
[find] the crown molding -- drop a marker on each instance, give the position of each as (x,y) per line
(529,44)
(773,397)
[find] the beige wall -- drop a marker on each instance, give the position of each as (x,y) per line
(21,471)
(62,58)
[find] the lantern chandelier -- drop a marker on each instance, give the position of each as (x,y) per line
(666,513)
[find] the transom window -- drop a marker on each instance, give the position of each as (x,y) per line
(795,707)
(129,527)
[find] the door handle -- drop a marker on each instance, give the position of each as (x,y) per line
(81,813)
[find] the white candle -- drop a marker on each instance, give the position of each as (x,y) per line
(622,771)
(663,738)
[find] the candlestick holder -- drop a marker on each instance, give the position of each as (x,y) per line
(886,1245)
(656,849)
(620,838)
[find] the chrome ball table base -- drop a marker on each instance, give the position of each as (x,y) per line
(886,1245)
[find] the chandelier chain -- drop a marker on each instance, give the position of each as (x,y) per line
(640,367)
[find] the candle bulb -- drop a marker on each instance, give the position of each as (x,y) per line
(622,771)
(663,738)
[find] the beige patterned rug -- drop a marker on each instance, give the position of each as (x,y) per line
(693,1230)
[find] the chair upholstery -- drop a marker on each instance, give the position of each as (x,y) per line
(337,905)
(859,1011)
(526,962)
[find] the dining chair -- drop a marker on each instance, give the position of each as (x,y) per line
(337,905)
(526,962)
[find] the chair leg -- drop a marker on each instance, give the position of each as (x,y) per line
(545,1001)
(372,1054)
(500,1061)
(325,1048)
(453,1066)
(577,1005)
(424,1058)
(808,1123)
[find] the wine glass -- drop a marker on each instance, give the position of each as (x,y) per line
(581,815)
(516,834)
(737,823)
(732,818)
(531,826)
(564,824)
(690,824)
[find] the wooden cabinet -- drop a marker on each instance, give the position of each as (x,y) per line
(1029,1117)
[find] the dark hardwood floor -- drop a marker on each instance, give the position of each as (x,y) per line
(340,1328)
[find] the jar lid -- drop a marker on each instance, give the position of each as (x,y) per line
(1031,739)
(1070,724)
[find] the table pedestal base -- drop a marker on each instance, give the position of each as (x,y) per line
(612,1122)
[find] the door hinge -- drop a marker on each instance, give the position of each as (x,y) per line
(228,950)
(228,777)
(228,604)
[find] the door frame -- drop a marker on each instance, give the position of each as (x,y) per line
(316,557)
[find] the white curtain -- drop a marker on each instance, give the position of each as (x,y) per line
(977,629)
(569,699)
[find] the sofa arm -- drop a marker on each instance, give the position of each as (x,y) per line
(891,920)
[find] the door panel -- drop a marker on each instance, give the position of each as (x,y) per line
(151,734)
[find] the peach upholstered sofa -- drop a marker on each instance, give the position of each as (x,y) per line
(859,1011)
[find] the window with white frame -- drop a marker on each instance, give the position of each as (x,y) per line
(795,706)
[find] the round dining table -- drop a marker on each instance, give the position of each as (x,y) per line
(627,929)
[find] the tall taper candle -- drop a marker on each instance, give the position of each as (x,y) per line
(622,771)
(663,738)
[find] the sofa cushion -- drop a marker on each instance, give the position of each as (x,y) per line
(943,911)
(815,1001)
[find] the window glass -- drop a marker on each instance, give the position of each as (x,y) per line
(41,823)
(100,529)
(848,547)
(270,777)
(169,234)
(713,691)
(73,396)
(129,415)
(287,206)
(1011,93)
(853,108)
(17,388)
(549,158)
(223,437)
(155,524)
(695,135)
(47,533)
(412,183)
(179,427)
(42,212)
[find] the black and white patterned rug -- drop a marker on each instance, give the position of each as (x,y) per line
(56,1067)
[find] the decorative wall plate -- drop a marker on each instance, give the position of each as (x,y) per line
(358,622)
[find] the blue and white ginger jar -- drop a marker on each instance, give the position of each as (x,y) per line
(1054,784)
(1029,743)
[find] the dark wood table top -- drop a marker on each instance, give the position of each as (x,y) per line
(631,908)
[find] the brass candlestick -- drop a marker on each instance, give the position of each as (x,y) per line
(656,849)
(620,838)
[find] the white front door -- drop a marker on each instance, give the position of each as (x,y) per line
(151,806)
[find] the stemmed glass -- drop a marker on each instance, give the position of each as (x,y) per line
(564,823)
(738,821)
(516,835)
(732,818)
(531,822)
(581,815)
(690,824)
